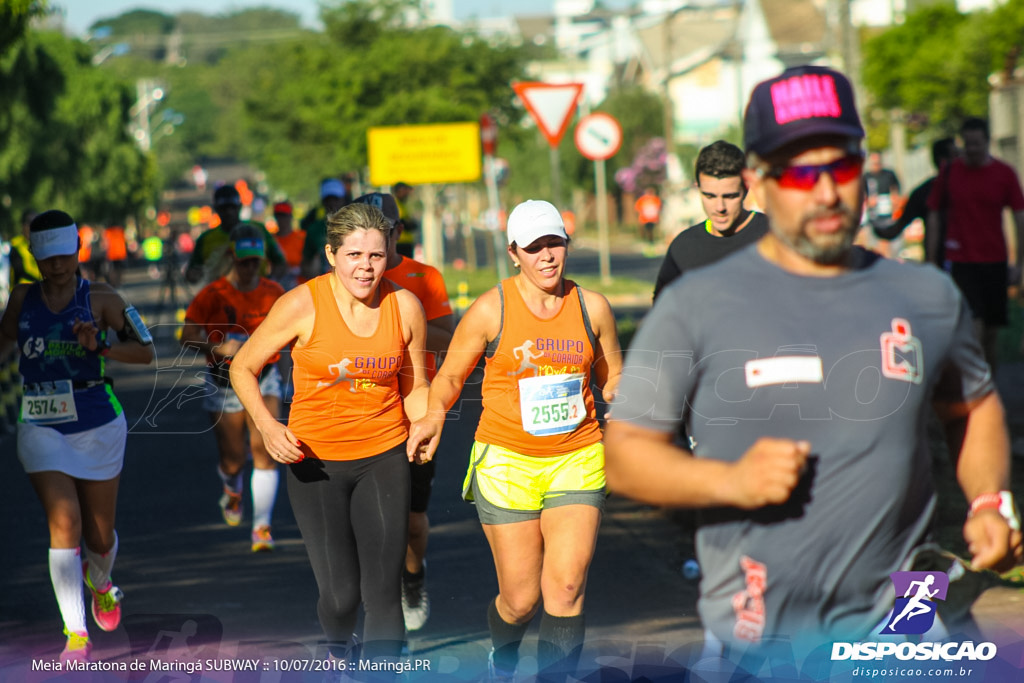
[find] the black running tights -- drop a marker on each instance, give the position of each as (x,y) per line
(354,518)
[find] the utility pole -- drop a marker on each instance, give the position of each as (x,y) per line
(669,113)
(850,47)
(147,94)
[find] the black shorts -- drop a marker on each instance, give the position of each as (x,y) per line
(422,477)
(984,288)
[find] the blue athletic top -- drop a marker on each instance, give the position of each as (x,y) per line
(51,352)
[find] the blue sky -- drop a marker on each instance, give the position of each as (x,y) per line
(80,14)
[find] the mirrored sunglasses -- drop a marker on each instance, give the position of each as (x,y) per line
(804,177)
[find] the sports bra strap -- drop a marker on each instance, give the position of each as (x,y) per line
(586,320)
(492,347)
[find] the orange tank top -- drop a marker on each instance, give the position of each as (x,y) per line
(117,247)
(347,402)
(291,246)
(427,284)
(529,347)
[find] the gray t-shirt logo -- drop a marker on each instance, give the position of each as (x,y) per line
(901,353)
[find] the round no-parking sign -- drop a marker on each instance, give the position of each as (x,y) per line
(598,136)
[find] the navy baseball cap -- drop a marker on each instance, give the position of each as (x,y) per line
(226,195)
(383,201)
(802,102)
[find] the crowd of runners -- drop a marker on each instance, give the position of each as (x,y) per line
(335,356)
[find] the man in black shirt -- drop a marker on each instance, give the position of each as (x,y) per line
(944,150)
(881,192)
(728,227)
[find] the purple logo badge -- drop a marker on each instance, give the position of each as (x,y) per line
(916,593)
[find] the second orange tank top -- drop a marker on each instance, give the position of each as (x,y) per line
(530,347)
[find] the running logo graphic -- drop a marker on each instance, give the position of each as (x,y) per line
(34,347)
(916,596)
(341,369)
(527,356)
(901,353)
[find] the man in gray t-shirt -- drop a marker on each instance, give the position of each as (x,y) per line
(804,369)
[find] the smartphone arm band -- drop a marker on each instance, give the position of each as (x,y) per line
(134,327)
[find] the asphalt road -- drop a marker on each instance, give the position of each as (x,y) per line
(194,591)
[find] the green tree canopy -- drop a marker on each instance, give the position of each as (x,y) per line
(15,16)
(136,22)
(300,109)
(936,66)
(63,126)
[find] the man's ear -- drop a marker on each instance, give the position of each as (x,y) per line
(753,183)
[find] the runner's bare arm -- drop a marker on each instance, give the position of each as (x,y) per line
(608,354)
(108,310)
(439,334)
(439,327)
(412,378)
(9,322)
(980,447)
(933,233)
(193,335)
(291,317)
(478,326)
(1018,225)
(645,464)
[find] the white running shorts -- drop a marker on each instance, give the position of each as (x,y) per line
(96,454)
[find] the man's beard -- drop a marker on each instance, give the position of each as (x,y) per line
(830,250)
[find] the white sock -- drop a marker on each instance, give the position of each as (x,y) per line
(264,492)
(66,576)
(100,565)
(232,482)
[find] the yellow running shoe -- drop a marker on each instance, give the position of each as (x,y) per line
(262,541)
(231,507)
(77,648)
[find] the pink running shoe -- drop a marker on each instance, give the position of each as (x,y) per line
(106,603)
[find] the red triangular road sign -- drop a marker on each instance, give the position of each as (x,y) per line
(550,105)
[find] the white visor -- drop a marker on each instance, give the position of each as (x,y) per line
(55,242)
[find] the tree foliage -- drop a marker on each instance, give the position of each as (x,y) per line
(936,66)
(63,128)
(256,87)
(136,22)
(302,108)
(641,115)
(15,16)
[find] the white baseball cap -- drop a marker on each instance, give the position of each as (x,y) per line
(533,219)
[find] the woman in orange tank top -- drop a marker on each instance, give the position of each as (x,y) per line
(536,471)
(219,319)
(359,377)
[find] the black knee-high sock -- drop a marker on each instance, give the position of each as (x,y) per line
(505,638)
(559,643)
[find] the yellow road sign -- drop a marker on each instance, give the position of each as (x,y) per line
(431,153)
